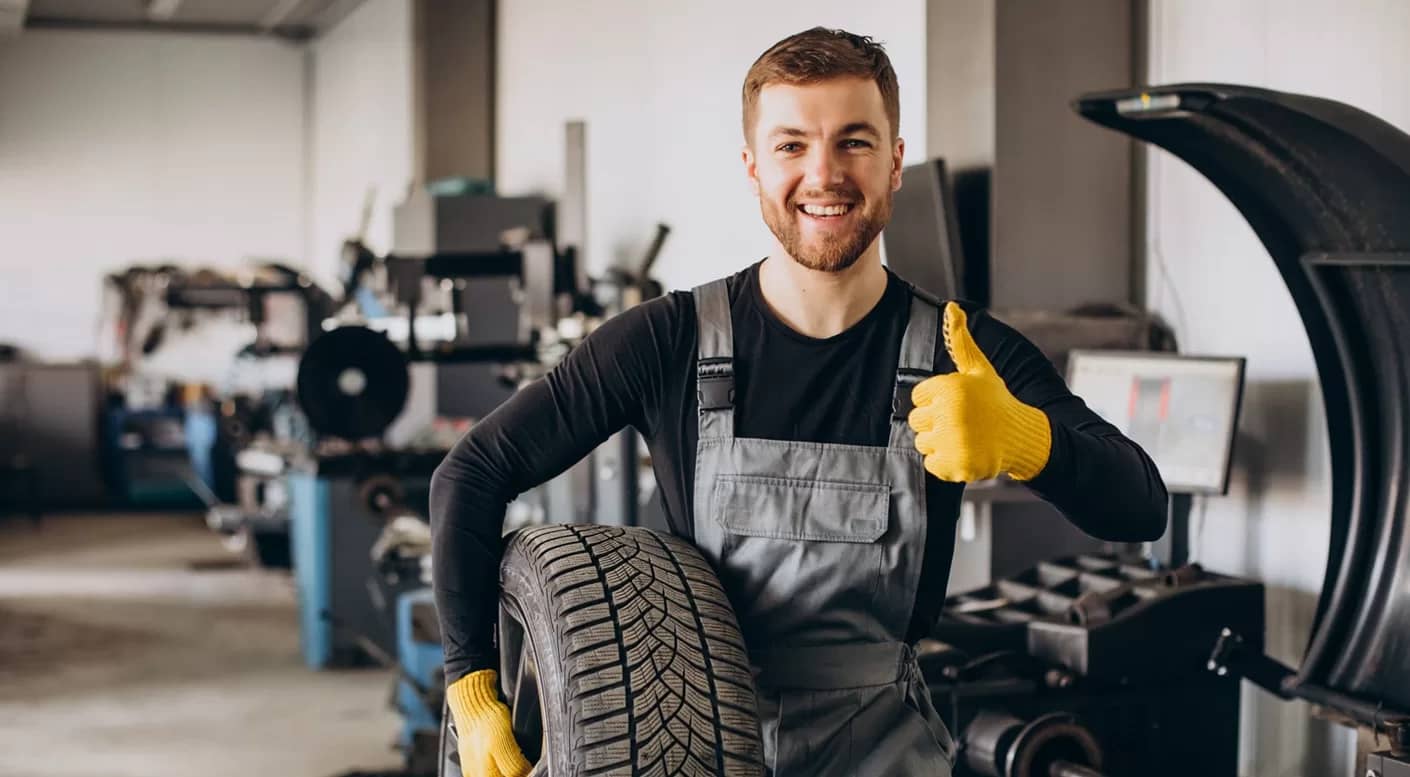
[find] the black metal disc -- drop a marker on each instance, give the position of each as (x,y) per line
(353,382)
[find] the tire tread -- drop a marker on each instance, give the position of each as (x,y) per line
(680,699)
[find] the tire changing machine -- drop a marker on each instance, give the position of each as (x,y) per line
(1089,666)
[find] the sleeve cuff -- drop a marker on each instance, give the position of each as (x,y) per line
(1058,469)
(469,664)
(1030,441)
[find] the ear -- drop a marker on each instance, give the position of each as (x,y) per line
(898,155)
(751,169)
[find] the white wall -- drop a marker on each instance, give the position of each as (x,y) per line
(123,147)
(118,148)
(362,120)
(659,86)
(1211,277)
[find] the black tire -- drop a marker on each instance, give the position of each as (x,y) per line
(622,642)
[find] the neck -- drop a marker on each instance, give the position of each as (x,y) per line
(821,304)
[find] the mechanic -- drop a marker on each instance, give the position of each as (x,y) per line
(794,380)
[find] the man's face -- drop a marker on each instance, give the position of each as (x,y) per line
(822,162)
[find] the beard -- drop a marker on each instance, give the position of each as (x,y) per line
(828,253)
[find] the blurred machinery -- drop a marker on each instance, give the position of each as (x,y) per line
(199,365)
(479,295)
(420,692)
(355,383)
(49,436)
(357,502)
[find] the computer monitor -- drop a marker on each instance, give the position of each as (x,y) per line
(1182,410)
(922,240)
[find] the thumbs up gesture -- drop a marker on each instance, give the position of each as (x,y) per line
(967,424)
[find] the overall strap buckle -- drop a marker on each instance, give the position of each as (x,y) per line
(917,360)
(714,384)
(906,380)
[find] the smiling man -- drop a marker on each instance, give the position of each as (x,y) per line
(813,420)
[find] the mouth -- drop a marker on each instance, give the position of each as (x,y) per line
(824,212)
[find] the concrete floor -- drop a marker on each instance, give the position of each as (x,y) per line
(137,646)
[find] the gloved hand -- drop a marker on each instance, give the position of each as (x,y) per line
(486,741)
(968,426)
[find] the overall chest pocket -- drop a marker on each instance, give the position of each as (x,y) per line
(802,510)
(803,560)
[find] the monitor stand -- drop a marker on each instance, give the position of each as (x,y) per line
(1173,547)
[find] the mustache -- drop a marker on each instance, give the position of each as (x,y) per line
(850,193)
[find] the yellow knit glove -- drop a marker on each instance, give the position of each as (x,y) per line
(487,746)
(968,426)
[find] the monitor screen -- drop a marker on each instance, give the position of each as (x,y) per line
(1182,410)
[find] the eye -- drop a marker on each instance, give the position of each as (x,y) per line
(852,143)
(790,148)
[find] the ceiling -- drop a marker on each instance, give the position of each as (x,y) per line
(295,19)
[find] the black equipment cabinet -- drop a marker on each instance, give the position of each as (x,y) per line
(1094,661)
(51,436)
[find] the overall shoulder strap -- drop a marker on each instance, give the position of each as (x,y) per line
(917,359)
(714,360)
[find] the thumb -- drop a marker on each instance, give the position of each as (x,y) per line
(959,343)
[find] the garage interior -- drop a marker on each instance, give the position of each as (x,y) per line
(266,261)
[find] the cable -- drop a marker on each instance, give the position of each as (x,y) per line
(1157,164)
(1166,283)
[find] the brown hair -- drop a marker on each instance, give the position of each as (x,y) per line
(817,55)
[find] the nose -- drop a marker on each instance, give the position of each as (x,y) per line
(824,169)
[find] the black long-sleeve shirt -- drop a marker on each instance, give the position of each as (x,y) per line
(638,369)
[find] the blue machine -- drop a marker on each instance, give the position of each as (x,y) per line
(420,657)
(147,456)
(338,508)
(355,609)
(310,545)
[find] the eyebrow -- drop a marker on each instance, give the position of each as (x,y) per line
(849,129)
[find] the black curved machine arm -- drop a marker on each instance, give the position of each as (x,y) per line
(1327,189)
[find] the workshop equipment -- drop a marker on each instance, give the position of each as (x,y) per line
(338,511)
(353,383)
(1325,187)
(146,457)
(51,436)
(257,523)
(142,304)
(479,295)
(420,691)
(248,410)
(1093,663)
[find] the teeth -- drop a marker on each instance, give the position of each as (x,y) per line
(828,210)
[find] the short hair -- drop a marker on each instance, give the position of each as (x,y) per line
(821,54)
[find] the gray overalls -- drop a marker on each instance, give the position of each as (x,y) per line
(819,548)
